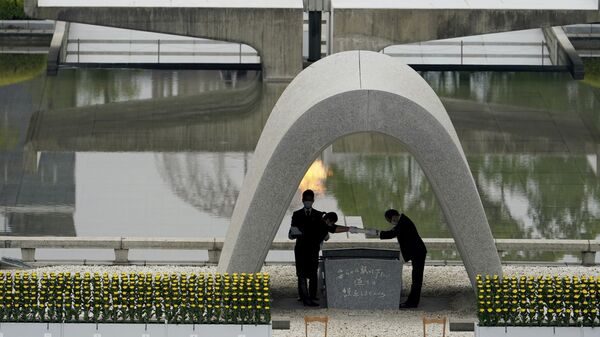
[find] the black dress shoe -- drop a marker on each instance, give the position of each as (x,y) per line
(310,303)
(407,305)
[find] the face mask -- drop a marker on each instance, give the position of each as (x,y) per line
(307,204)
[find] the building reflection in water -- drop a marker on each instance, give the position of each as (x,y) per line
(37,195)
(210,182)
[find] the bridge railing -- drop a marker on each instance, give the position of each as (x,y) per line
(122,245)
(459,52)
(159,51)
(28,26)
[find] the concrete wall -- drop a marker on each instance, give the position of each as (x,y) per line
(562,51)
(57,47)
(275,32)
(374,29)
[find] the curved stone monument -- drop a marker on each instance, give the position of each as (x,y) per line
(346,93)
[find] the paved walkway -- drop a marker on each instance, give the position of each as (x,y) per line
(446,293)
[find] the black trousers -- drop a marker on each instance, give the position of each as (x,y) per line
(307,265)
(418,267)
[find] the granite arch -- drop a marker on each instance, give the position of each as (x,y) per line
(346,93)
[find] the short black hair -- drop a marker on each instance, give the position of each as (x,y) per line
(390,213)
(308,194)
(331,216)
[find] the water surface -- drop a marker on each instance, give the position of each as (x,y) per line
(116,152)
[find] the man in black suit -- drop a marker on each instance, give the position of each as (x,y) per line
(310,227)
(412,248)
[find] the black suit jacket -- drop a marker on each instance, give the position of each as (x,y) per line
(411,244)
(312,226)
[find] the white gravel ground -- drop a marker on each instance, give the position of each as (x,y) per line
(446,293)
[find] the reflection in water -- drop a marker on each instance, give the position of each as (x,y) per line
(39,201)
(15,68)
(531,141)
(206,183)
(368,184)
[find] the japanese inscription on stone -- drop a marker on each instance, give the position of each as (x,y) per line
(363,283)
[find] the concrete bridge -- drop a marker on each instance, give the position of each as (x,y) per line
(274,28)
(374,25)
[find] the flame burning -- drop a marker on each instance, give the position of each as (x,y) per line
(315,178)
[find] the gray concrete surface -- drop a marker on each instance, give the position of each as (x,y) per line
(276,33)
(376,28)
(56,50)
(121,245)
(562,51)
(343,94)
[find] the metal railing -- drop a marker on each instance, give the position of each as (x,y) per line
(587,29)
(589,32)
(122,245)
(460,50)
(28,26)
(23,50)
(158,49)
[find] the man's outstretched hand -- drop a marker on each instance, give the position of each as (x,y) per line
(372,232)
(354,230)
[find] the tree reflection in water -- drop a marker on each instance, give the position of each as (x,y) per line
(554,196)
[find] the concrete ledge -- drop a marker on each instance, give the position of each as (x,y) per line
(542,245)
(178,243)
(54,53)
(594,245)
(169,243)
(44,26)
(461,325)
(280,323)
(587,249)
(60,242)
(562,51)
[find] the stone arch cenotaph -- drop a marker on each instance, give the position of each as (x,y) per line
(346,93)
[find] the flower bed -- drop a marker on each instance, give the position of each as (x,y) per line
(135,298)
(538,301)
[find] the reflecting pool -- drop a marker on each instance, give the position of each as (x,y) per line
(116,152)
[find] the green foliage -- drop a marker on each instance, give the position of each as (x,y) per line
(12,10)
(135,298)
(592,72)
(16,68)
(538,301)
